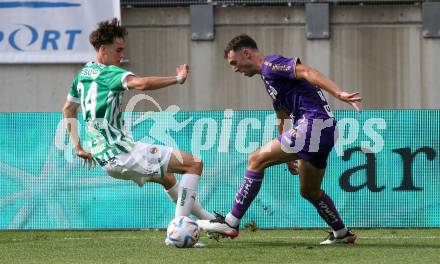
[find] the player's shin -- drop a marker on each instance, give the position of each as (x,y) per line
(328,212)
(249,188)
(186,194)
(197,210)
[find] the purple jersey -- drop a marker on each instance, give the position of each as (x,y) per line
(299,98)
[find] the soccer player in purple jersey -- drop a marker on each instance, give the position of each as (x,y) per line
(295,90)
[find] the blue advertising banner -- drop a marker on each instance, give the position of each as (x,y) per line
(51,31)
(383,172)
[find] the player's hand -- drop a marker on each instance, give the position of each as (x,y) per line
(350,98)
(183,71)
(292,166)
(87,158)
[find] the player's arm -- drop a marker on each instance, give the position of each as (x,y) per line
(69,114)
(153,83)
(282,115)
(316,78)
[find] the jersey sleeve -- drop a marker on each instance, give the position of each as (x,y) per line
(281,68)
(73,95)
(118,78)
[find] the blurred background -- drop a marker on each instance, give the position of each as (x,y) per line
(387,50)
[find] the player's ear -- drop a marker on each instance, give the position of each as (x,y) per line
(102,49)
(246,53)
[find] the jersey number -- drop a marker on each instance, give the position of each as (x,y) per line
(88,103)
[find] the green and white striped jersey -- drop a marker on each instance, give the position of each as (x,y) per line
(98,89)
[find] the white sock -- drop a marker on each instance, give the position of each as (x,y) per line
(187,194)
(232,220)
(197,210)
(340,233)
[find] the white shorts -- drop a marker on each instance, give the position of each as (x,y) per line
(143,163)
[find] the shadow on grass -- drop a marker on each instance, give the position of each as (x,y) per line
(313,245)
(267,244)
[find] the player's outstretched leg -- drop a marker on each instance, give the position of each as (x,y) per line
(191,170)
(228,226)
(184,193)
(171,188)
(258,161)
(198,211)
(310,181)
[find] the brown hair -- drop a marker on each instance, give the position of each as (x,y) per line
(238,42)
(106,33)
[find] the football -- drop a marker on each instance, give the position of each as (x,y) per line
(182,232)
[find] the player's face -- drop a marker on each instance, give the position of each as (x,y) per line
(241,61)
(114,53)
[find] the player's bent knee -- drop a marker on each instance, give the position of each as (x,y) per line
(199,167)
(196,167)
(254,159)
(310,195)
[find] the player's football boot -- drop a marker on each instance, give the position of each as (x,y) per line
(349,238)
(219,226)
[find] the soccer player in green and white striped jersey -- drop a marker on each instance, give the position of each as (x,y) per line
(98,89)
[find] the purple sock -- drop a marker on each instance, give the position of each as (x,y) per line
(249,188)
(327,210)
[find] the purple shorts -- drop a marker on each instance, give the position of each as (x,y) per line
(312,140)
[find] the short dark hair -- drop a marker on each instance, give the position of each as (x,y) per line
(106,33)
(240,41)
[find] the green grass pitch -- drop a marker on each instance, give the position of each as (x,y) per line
(263,246)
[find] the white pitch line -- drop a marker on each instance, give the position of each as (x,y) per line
(365,237)
(258,238)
